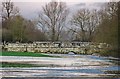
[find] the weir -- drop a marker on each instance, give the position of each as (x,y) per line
(56,47)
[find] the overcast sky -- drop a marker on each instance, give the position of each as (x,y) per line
(30,8)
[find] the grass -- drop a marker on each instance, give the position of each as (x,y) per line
(6,64)
(32,54)
(14,64)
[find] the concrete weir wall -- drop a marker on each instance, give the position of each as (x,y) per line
(56,47)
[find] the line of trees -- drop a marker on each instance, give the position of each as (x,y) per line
(53,24)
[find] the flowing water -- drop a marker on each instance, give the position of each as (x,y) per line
(66,66)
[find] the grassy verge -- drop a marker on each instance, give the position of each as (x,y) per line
(6,53)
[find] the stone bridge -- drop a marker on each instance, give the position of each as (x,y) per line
(56,47)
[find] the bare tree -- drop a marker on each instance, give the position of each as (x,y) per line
(8,9)
(87,21)
(52,19)
(81,19)
(112,9)
(93,22)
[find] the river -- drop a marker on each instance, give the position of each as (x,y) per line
(64,66)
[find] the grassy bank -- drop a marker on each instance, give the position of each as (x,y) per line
(32,54)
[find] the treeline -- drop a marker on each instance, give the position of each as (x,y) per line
(54,24)
(16,28)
